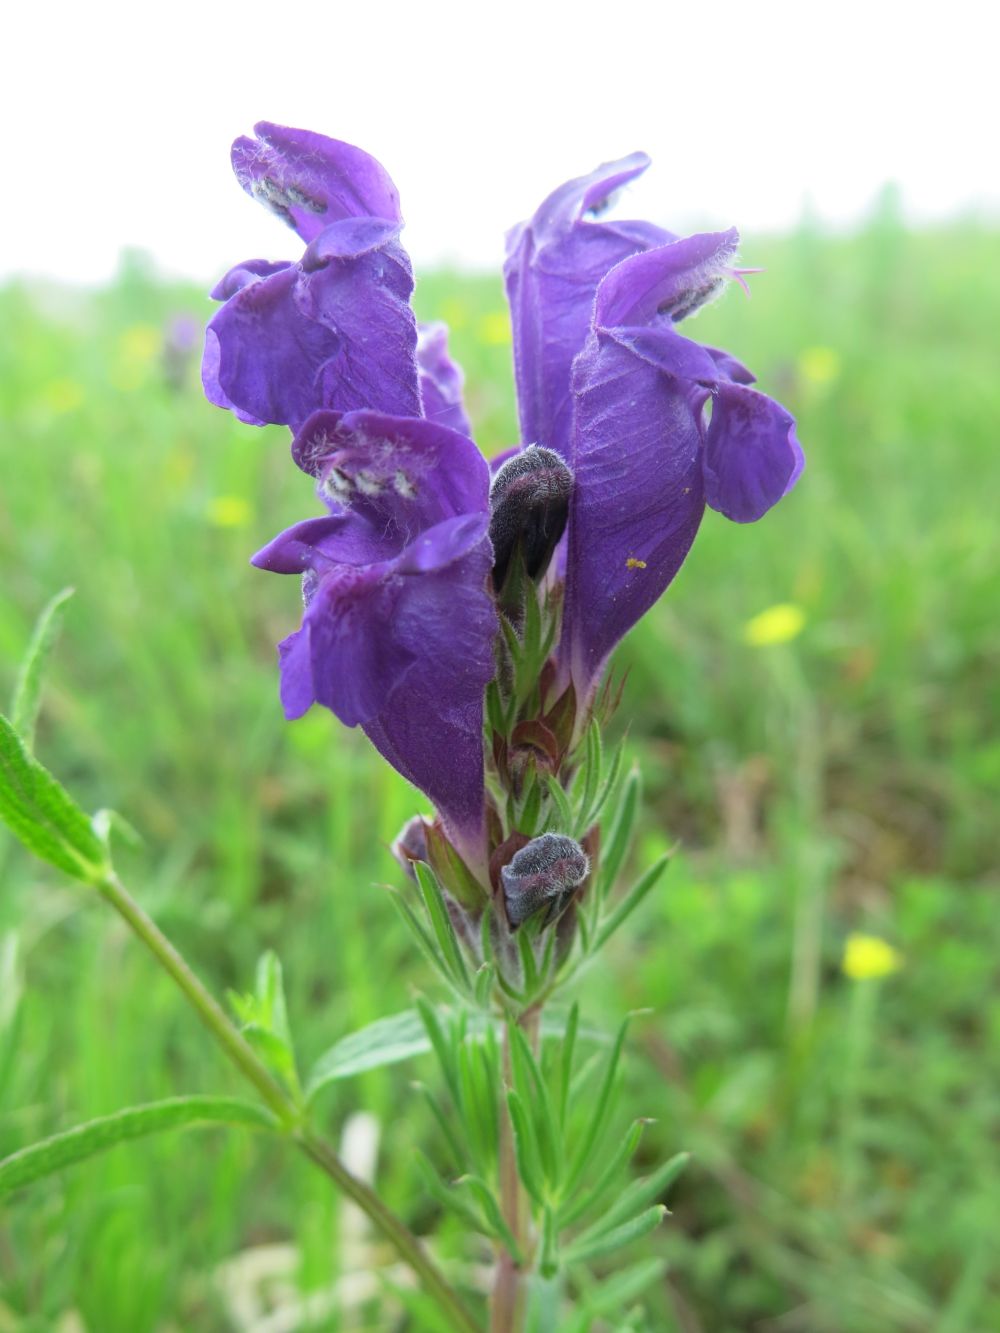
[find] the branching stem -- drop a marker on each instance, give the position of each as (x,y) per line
(289,1114)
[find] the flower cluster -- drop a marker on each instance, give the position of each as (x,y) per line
(421,571)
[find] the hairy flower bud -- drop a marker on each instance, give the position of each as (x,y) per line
(543,873)
(529,501)
(410,844)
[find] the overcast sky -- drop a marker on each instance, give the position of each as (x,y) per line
(119,116)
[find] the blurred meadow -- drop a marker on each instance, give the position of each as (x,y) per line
(814,706)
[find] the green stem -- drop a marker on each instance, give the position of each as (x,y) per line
(508,1300)
(860,1027)
(309,1142)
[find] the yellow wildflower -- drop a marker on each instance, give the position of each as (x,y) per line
(229,511)
(778,624)
(866,957)
(821,365)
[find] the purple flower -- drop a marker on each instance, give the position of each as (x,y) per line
(441,380)
(397,633)
(662,426)
(554,263)
(334,330)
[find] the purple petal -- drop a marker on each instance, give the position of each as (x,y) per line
(317,543)
(441,379)
(357,655)
(673,279)
(554,264)
(729,368)
(265,356)
(443,544)
(341,336)
(295,665)
(402,474)
(310,181)
(431,729)
(364,301)
(242,275)
(752,457)
(666,350)
(637,499)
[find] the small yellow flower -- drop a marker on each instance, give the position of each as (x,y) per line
(778,624)
(494,329)
(454,314)
(229,511)
(821,365)
(139,344)
(866,957)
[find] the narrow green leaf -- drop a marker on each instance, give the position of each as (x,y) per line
(614,1240)
(561,815)
(598,1116)
(387,1041)
(445,1049)
(620,1289)
(270,988)
(444,1122)
(476,1107)
(448,1196)
(608,786)
(534,1093)
(593,766)
(548,1262)
(491,1213)
(43,814)
(525,947)
(566,1054)
(421,938)
(531,808)
(592,1196)
(483,988)
(525,1148)
(28,687)
(620,837)
(106,823)
(75,1145)
(637,1197)
(444,931)
(636,894)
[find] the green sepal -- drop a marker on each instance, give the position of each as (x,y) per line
(452,872)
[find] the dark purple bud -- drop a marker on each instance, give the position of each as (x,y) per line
(541,874)
(410,844)
(529,501)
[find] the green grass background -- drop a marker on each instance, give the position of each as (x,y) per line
(846,1173)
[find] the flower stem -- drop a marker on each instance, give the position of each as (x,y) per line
(508,1301)
(288,1113)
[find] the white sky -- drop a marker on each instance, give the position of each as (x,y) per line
(119,116)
